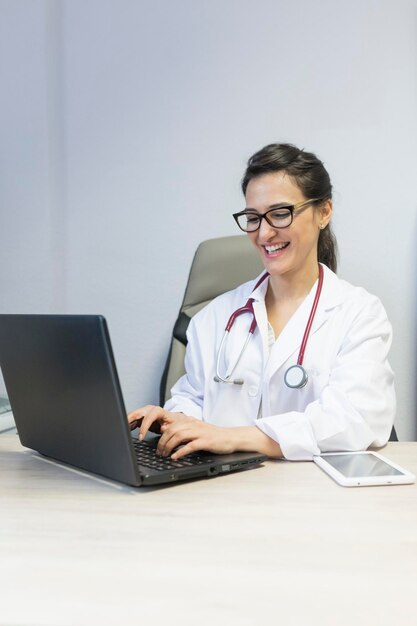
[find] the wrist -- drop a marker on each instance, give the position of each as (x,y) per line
(252,439)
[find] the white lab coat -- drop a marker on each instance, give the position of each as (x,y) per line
(349,400)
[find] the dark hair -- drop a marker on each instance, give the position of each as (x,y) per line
(311,177)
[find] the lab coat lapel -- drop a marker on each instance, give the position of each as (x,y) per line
(289,341)
(259,309)
(291,336)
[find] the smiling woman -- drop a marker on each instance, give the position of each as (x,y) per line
(310,179)
(308,371)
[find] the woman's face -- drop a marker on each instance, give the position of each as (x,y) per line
(289,250)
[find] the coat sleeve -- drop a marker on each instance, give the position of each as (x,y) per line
(356,408)
(187,395)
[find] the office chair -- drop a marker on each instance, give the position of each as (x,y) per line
(219,265)
(393,436)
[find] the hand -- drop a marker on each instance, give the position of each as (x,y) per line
(155,419)
(178,429)
(192,435)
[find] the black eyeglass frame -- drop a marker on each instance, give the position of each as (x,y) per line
(289,207)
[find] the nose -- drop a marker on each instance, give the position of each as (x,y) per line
(266,231)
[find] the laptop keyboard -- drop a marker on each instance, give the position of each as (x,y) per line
(146,456)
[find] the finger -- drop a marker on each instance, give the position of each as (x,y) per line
(174,437)
(188,448)
(156,413)
(134,421)
(164,446)
(137,414)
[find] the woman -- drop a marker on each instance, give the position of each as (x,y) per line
(348,400)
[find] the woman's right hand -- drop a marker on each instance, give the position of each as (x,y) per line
(154,418)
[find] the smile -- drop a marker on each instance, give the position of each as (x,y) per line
(271,249)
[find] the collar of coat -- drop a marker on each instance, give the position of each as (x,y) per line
(331,295)
(291,336)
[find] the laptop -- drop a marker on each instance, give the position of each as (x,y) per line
(62,383)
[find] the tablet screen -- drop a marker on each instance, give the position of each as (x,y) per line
(356,465)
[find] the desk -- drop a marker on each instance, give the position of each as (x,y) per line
(280,543)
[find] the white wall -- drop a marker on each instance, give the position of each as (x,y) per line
(126,129)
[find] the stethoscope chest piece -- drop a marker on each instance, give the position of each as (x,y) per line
(295,377)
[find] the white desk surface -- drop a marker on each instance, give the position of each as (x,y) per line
(282,543)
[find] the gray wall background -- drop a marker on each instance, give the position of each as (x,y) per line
(125,128)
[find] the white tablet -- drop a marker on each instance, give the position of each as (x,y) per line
(358,469)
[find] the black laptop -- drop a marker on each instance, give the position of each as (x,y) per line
(65,395)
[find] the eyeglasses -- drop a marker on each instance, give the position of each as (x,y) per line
(250,220)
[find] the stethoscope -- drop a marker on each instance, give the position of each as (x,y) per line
(295,377)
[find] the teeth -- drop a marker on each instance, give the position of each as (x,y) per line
(275,247)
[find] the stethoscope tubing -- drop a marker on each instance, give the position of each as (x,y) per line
(247,308)
(311,317)
(301,374)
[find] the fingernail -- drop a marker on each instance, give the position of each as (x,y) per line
(140,437)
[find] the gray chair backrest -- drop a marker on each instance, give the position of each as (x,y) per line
(219,265)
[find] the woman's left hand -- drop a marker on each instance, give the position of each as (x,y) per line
(192,436)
